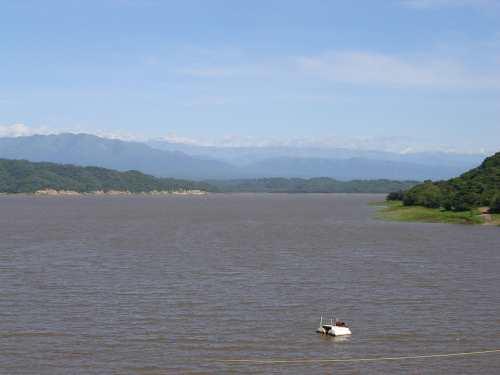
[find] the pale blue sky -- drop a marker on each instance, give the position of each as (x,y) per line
(416,73)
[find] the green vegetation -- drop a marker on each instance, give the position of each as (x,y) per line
(311,185)
(496,219)
(396,195)
(495,204)
(21,176)
(379,203)
(479,187)
(397,211)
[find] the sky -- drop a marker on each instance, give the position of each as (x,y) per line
(399,75)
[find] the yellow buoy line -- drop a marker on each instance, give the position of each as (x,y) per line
(373,359)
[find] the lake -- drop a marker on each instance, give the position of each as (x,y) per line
(178,285)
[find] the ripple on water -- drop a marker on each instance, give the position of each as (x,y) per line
(154,286)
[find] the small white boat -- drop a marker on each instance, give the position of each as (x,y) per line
(335,328)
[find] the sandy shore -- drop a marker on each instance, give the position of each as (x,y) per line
(71,193)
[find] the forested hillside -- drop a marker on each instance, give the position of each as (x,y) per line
(478,187)
(311,185)
(21,176)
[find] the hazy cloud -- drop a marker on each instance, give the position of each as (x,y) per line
(208,72)
(382,69)
(206,101)
(21,130)
(363,68)
(396,144)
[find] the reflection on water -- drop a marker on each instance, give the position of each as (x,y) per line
(341,339)
(334,339)
(153,285)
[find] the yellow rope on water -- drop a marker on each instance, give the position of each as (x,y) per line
(374,359)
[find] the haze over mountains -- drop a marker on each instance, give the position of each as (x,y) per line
(177,160)
(89,150)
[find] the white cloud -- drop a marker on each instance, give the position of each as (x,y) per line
(401,145)
(383,69)
(21,130)
(429,4)
(366,68)
(174,138)
(224,141)
(120,135)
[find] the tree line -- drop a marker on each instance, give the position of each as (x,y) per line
(22,176)
(476,188)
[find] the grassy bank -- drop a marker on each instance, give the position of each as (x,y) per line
(395,211)
(496,219)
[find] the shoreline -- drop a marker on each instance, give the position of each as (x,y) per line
(98,193)
(395,211)
(53,192)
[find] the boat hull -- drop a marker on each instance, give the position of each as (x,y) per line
(334,330)
(339,331)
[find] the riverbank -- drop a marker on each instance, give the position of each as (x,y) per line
(396,211)
(70,193)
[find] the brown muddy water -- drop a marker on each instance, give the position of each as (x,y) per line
(177,285)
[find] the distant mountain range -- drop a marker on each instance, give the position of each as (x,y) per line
(243,156)
(166,159)
(89,150)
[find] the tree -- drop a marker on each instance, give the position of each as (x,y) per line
(427,194)
(395,196)
(478,187)
(495,204)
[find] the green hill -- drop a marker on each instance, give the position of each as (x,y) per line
(21,176)
(310,185)
(476,188)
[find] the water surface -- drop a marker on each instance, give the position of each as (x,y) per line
(167,285)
